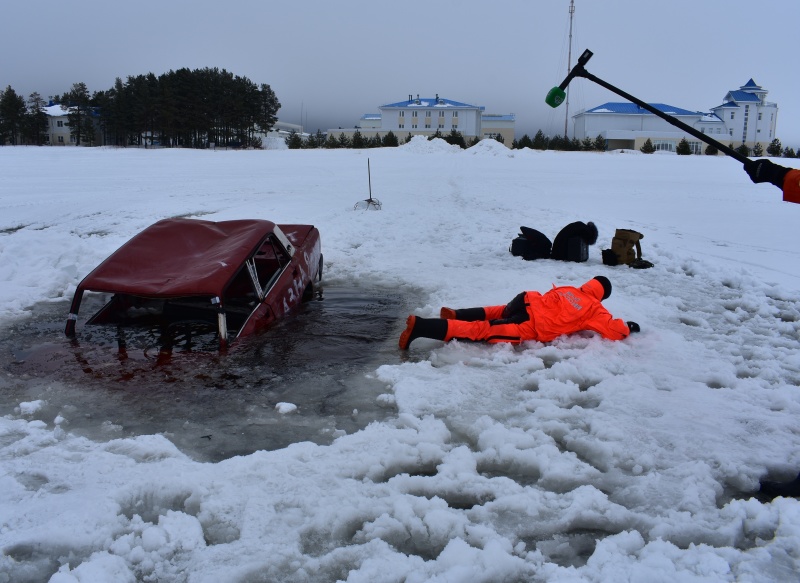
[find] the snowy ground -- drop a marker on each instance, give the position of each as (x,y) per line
(580,460)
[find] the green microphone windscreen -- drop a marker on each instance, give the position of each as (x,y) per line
(555,97)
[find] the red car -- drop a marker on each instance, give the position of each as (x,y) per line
(235,277)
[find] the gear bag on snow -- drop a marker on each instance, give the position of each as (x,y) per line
(626,249)
(531,244)
(571,244)
(573,241)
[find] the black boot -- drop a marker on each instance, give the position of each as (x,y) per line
(434,328)
(465,314)
(786,489)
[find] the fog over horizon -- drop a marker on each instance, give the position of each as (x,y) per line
(329,64)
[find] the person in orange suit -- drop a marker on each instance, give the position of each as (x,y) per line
(529,316)
(787,179)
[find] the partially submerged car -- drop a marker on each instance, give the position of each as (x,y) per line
(234,277)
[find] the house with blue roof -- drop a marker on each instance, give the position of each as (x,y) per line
(425,116)
(745,117)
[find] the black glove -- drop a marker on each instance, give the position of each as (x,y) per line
(634,327)
(764,170)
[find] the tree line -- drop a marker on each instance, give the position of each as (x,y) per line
(775,149)
(358,140)
(183,108)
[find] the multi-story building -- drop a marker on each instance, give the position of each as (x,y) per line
(745,117)
(426,116)
(57,127)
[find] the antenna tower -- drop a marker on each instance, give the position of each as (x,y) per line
(569,63)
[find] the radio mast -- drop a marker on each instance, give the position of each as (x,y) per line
(569,64)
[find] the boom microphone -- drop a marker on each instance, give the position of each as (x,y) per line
(556,95)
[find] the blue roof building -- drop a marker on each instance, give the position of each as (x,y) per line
(428,115)
(745,117)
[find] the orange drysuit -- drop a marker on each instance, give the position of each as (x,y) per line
(791,186)
(562,310)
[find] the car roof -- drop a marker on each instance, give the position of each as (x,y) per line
(179,257)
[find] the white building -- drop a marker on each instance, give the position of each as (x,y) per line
(57,127)
(426,116)
(745,117)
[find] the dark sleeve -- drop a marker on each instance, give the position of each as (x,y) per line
(515,307)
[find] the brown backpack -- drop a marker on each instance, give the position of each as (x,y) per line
(626,249)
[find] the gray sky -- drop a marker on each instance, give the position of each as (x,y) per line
(329,62)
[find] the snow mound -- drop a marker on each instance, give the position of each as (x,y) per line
(490,147)
(422,145)
(275,143)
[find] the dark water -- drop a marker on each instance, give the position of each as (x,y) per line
(211,406)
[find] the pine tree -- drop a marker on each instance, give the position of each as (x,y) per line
(758,150)
(600,143)
(76,103)
(331,143)
(499,138)
(390,140)
(587,144)
(12,116)
(294,141)
(683,149)
(525,142)
(775,148)
(648,147)
(558,142)
(455,138)
(711,150)
(358,140)
(312,142)
(344,141)
(35,122)
(474,141)
(540,141)
(789,152)
(743,149)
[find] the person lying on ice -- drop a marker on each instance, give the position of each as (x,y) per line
(529,316)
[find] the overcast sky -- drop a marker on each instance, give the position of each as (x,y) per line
(329,62)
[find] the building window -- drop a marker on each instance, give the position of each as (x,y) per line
(60,124)
(664,145)
(759,116)
(60,139)
(414,114)
(455,126)
(413,126)
(441,126)
(427,125)
(733,114)
(401,125)
(402,114)
(427,114)
(455,114)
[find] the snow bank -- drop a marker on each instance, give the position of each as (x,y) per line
(578,460)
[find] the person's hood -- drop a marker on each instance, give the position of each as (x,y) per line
(594,289)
